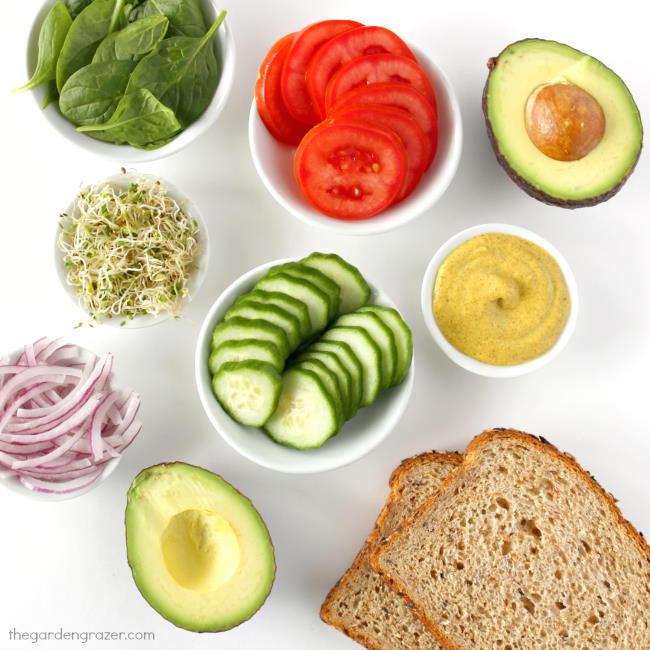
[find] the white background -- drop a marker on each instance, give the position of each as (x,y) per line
(64,564)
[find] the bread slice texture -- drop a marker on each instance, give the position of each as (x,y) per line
(361,604)
(521,549)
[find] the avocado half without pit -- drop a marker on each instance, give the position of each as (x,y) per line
(564,126)
(198,549)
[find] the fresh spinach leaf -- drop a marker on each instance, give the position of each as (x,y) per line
(92,93)
(89,28)
(51,94)
(185,16)
(50,41)
(158,143)
(139,119)
(134,41)
(181,72)
(75,7)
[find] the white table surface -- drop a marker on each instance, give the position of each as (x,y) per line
(64,564)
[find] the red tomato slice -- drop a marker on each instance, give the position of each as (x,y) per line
(398,96)
(350,169)
(345,47)
(268,95)
(378,68)
(294,83)
(409,131)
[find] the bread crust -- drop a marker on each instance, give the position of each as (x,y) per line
(375,536)
(471,454)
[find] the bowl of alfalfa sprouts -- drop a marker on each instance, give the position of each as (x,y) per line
(131,250)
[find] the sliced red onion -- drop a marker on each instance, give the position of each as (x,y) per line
(26,376)
(76,418)
(61,422)
(96,423)
(72,400)
(63,487)
(26,396)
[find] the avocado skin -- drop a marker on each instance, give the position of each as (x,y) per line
(141,474)
(531,190)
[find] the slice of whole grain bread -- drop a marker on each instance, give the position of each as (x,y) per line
(522,550)
(361,605)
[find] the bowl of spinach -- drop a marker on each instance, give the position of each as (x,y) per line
(131,80)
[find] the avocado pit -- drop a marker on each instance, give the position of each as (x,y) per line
(564,121)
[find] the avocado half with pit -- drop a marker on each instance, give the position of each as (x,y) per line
(198,549)
(564,126)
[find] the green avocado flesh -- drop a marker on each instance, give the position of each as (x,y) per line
(523,67)
(200,553)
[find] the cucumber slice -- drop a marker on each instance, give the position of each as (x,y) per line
(306,414)
(238,328)
(302,272)
(288,303)
(346,356)
(248,391)
(383,337)
(244,350)
(403,338)
(367,351)
(271,313)
(331,383)
(334,364)
(315,300)
(355,291)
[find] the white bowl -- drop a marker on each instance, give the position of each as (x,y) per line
(225,51)
(13,484)
(274,164)
(360,435)
(123,180)
(464,361)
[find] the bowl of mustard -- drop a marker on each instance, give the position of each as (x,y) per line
(499,300)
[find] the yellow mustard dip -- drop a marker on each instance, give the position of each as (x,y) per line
(500,299)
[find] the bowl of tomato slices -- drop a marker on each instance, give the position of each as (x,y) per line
(353,130)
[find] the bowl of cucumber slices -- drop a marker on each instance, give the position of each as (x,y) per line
(303,366)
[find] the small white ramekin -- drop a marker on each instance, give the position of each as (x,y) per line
(123,180)
(466,362)
(360,435)
(225,50)
(14,485)
(274,164)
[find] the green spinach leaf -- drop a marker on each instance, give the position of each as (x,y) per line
(51,94)
(185,16)
(75,7)
(92,93)
(181,72)
(139,120)
(91,26)
(50,41)
(134,41)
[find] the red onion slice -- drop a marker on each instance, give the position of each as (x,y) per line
(61,422)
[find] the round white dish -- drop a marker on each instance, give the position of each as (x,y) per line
(359,435)
(274,164)
(13,484)
(464,361)
(123,180)
(225,51)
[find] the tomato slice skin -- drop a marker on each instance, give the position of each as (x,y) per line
(349,169)
(378,68)
(409,132)
(268,95)
(294,73)
(349,45)
(398,96)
